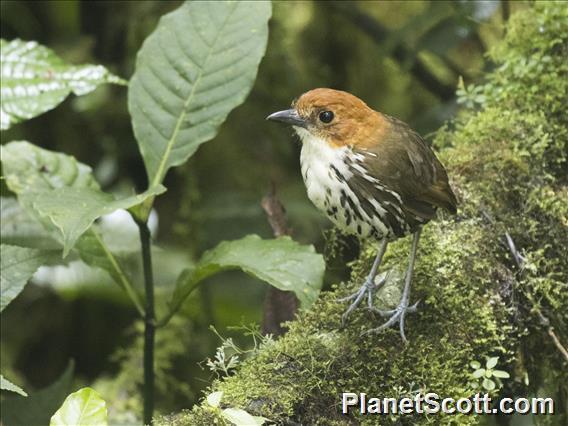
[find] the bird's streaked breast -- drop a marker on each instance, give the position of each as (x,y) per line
(330,174)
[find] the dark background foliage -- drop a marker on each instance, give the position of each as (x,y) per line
(403,58)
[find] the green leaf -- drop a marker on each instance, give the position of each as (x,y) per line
(60,192)
(475,364)
(84,407)
(501,374)
(198,65)
(491,362)
(214,399)
(18,228)
(240,417)
(30,169)
(5,384)
(94,251)
(73,210)
(35,80)
(488,384)
(281,262)
(31,172)
(478,373)
(39,406)
(18,266)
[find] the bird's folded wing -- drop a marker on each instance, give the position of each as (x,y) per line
(403,162)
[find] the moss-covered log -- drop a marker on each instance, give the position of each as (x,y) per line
(491,281)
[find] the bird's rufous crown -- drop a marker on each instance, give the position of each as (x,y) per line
(353,123)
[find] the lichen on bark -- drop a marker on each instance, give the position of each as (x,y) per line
(491,281)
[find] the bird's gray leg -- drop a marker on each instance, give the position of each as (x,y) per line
(369,285)
(399,313)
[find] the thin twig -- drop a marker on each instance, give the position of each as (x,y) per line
(279,306)
(276,214)
(557,343)
(519,259)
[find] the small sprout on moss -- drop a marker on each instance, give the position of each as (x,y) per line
(223,362)
(228,355)
(234,416)
(259,340)
(492,362)
(488,384)
(471,95)
(491,377)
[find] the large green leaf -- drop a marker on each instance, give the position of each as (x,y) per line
(30,171)
(281,262)
(84,407)
(5,384)
(18,266)
(97,248)
(19,229)
(73,210)
(39,406)
(94,252)
(35,80)
(59,191)
(199,64)
(36,174)
(28,168)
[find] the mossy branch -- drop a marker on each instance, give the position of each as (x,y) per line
(507,157)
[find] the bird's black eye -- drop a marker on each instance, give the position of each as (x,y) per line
(326,116)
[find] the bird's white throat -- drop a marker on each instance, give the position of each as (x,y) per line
(318,160)
(320,164)
(326,176)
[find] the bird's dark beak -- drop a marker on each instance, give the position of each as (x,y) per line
(289,116)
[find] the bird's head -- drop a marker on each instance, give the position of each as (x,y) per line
(337,117)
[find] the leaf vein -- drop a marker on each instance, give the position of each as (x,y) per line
(161,168)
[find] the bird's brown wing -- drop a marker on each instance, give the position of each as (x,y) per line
(403,162)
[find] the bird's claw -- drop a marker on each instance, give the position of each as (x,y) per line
(396,315)
(391,312)
(368,288)
(358,296)
(350,297)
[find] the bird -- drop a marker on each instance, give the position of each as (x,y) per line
(372,176)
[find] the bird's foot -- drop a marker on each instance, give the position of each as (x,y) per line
(396,315)
(368,289)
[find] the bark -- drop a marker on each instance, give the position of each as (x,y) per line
(279,306)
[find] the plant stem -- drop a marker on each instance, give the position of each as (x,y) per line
(123,280)
(149,323)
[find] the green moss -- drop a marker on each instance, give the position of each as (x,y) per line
(507,160)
